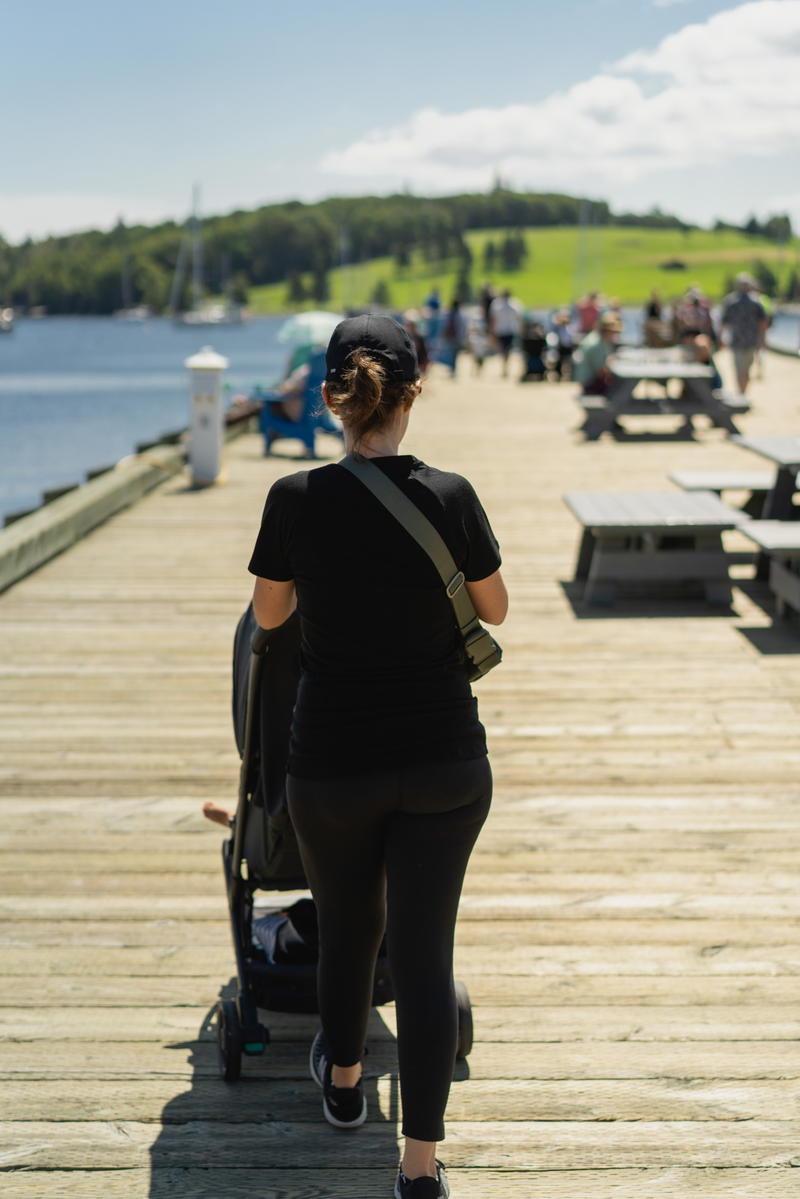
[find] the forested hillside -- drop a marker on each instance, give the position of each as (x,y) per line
(298,245)
(82,273)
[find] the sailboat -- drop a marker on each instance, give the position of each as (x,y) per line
(202,312)
(129,311)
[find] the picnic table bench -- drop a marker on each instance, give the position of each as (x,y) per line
(779,540)
(758,483)
(651,537)
(602,413)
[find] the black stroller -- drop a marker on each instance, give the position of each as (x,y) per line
(262,854)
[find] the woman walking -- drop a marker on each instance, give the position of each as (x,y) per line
(388,779)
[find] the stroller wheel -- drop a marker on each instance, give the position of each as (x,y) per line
(229,1040)
(464,1047)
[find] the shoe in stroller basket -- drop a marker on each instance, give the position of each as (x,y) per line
(276,952)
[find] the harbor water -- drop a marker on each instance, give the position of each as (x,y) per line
(80,393)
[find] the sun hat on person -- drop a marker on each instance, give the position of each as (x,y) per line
(382,337)
(610,320)
(744,280)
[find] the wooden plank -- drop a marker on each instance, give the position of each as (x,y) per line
(194,886)
(486,905)
(542,985)
(473,1099)
(624,1023)
(354,1182)
(498,1060)
(174,868)
(743,805)
(534,1145)
(639,935)
(623,842)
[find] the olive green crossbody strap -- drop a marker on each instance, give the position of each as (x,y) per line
(420,528)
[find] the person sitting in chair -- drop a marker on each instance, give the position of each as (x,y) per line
(590,363)
(294,408)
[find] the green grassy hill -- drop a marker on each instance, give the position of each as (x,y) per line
(562,264)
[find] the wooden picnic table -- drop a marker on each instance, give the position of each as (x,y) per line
(637,536)
(697,396)
(629,371)
(785,453)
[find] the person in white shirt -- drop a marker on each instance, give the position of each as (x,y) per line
(504,324)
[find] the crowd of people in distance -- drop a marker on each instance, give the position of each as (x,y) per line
(496,324)
(741,323)
(577,343)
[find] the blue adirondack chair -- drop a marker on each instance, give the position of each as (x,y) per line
(314,414)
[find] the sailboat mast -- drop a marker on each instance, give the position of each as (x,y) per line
(178,277)
(127,290)
(197,250)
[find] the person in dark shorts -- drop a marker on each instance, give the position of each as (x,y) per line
(388,778)
(504,325)
(745,322)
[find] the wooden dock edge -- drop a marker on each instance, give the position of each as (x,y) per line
(34,539)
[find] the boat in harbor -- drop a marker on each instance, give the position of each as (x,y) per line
(130,312)
(136,314)
(202,313)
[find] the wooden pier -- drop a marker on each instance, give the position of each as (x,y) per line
(629,927)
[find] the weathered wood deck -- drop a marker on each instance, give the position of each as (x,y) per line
(629,929)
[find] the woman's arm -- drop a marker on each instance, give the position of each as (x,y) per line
(273,602)
(489,598)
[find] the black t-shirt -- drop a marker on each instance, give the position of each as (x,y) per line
(382,681)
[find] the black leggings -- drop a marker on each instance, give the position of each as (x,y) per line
(389,850)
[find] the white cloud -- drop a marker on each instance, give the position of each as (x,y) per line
(710,92)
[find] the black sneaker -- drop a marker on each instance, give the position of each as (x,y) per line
(343,1107)
(422,1188)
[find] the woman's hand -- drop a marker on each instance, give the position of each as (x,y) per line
(273,602)
(489,598)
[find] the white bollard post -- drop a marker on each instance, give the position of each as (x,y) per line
(206,430)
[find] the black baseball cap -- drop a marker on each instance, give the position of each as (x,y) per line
(382,337)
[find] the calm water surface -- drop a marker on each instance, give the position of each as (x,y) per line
(80,393)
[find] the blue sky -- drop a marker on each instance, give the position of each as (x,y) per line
(692,104)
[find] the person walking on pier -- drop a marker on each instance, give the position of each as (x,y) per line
(388,779)
(744,318)
(505,324)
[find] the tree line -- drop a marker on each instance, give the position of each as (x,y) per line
(296,243)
